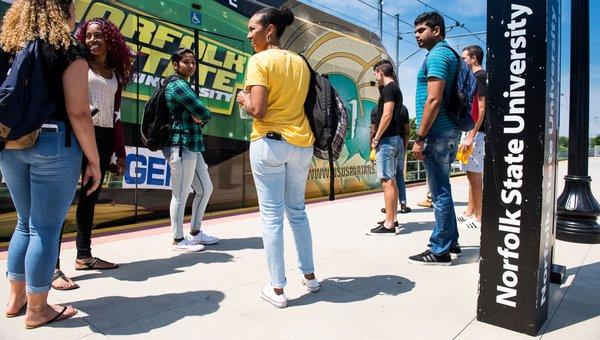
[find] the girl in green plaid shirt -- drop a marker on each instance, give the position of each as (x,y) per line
(188,169)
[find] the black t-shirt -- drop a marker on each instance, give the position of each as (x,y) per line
(390,93)
(481,77)
(403,119)
(56,62)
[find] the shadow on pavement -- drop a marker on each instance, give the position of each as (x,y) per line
(470,254)
(581,302)
(233,244)
(143,270)
(413,227)
(353,289)
(120,315)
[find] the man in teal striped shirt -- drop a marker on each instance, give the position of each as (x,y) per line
(437,136)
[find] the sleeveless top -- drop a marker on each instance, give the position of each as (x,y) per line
(101,92)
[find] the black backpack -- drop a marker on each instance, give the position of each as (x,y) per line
(328,120)
(157,121)
(24,101)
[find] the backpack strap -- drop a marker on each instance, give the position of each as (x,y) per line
(307,64)
(331,173)
(458,60)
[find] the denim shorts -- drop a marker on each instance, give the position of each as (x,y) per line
(388,153)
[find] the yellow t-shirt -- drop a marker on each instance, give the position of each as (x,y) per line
(286,77)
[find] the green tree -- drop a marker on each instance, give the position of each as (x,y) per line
(563,144)
(594,141)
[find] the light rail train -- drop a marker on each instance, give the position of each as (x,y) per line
(217,30)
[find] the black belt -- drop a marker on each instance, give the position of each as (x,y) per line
(273,135)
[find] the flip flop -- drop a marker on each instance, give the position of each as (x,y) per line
(54,319)
(91,265)
(14,315)
(61,275)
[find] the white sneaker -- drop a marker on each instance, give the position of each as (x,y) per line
(202,238)
(312,285)
(471,223)
(268,294)
(187,246)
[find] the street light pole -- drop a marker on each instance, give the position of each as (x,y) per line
(397,16)
(380,20)
(577,208)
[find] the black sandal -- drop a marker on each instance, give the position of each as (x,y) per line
(92,265)
(405,210)
(59,317)
(60,275)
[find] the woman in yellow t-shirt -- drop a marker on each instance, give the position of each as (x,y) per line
(281,148)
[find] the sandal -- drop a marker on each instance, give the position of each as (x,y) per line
(59,317)
(95,264)
(21,311)
(60,275)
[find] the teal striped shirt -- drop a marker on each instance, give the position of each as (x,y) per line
(441,63)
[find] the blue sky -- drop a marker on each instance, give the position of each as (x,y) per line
(472,13)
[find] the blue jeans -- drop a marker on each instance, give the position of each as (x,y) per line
(280,171)
(388,152)
(440,151)
(187,172)
(400,174)
(42,181)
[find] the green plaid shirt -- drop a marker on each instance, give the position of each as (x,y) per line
(183,102)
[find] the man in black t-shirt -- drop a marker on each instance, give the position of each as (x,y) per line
(387,142)
(471,217)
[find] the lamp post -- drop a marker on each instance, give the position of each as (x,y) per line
(577,208)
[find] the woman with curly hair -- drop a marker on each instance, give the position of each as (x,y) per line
(111,65)
(42,178)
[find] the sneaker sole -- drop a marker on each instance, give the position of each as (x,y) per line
(379,234)
(455,256)
(430,263)
(187,250)
(274,303)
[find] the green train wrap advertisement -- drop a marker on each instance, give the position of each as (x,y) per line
(217,31)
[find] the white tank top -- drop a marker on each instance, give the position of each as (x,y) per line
(102,96)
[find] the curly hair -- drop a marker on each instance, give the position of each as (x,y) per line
(27,20)
(119,57)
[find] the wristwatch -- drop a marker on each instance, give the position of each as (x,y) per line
(419,138)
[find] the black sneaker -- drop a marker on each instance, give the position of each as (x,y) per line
(396,224)
(455,251)
(429,258)
(381,230)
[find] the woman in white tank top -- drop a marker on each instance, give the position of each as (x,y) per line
(111,66)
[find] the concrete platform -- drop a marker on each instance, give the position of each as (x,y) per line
(369,289)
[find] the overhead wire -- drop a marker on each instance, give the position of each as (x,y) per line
(451,18)
(359,21)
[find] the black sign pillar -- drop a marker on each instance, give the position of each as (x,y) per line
(518,227)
